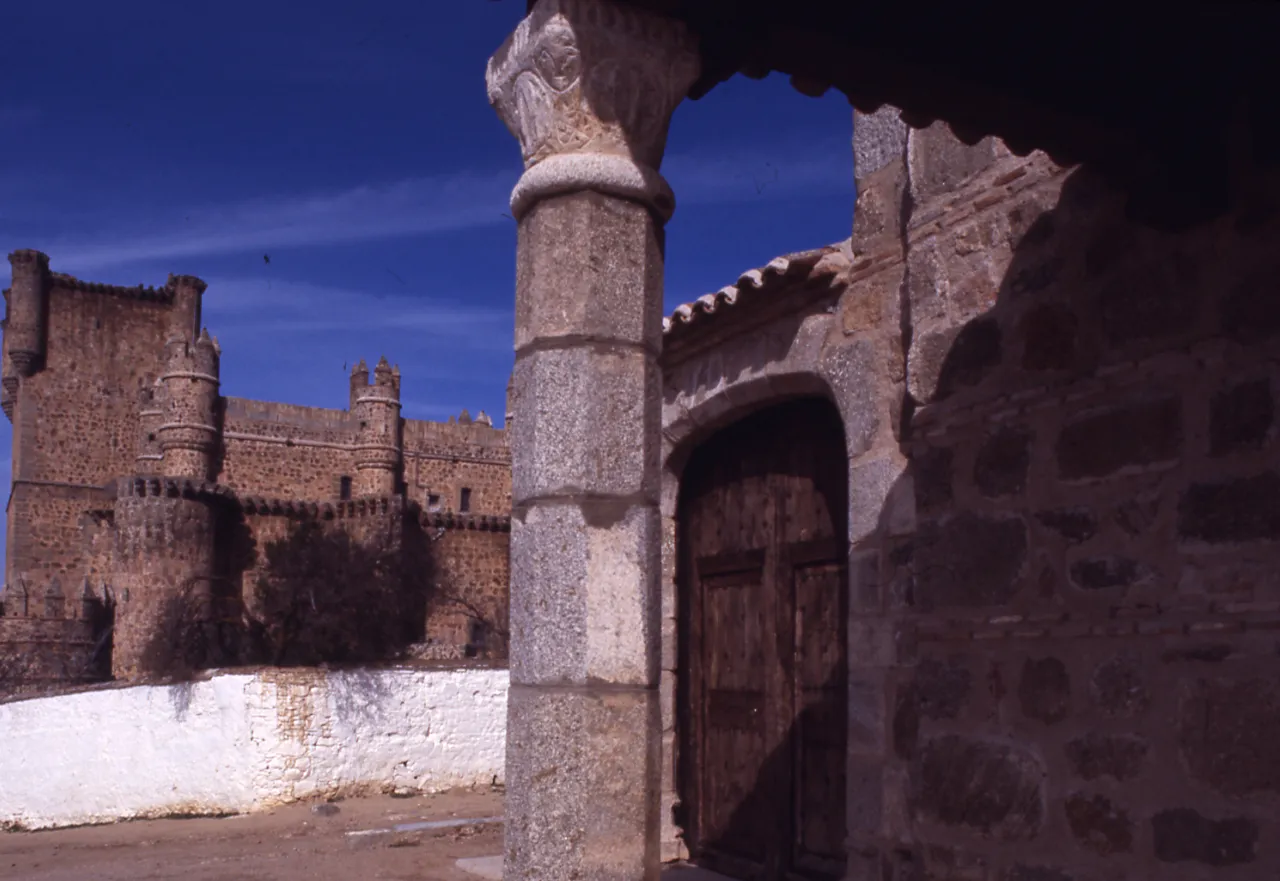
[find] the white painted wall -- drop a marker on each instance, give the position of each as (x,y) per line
(238,742)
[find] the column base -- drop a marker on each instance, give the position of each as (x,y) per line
(582,797)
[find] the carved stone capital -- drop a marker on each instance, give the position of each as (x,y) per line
(598,78)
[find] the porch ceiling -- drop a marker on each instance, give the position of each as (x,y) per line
(1155,98)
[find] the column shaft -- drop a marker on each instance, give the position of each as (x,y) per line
(588,87)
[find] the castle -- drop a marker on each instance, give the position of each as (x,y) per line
(156,525)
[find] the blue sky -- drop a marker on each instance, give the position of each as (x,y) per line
(354,145)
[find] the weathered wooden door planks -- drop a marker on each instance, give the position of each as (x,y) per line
(763,645)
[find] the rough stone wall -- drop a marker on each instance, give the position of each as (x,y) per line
(433,586)
(468,601)
(75,420)
(330,588)
(289,451)
(1087,601)
(1063,473)
(38,655)
(285,450)
(441,458)
(89,355)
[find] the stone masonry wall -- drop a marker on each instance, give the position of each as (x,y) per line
(1087,600)
(441,459)
(286,451)
(289,451)
(77,428)
(38,655)
(163,581)
(75,423)
(469,599)
(410,581)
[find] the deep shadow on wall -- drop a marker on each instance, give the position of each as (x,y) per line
(1082,599)
(281,587)
(1065,526)
(302,591)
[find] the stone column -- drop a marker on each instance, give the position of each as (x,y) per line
(588,87)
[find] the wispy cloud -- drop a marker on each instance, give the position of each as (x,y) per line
(250,308)
(297,341)
(416,206)
(431,205)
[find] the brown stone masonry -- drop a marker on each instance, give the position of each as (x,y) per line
(103,381)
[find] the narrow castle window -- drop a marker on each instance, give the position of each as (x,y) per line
(464,503)
(344,489)
(433,501)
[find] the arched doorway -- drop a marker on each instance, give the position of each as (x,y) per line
(763,645)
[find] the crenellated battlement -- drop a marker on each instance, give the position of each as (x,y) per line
(353,509)
(29,257)
(144,293)
(193,359)
(384,388)
(452,520)
(140,486)
(38,296)
(190,282)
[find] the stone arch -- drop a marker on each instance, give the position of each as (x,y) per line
(733,402)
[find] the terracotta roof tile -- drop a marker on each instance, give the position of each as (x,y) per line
(774,278)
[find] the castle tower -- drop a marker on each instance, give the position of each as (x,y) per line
(166,515)
(151,415)
(377,411)
(188,436)
(163,574)
(27,308)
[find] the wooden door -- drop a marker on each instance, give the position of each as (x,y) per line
(763,646)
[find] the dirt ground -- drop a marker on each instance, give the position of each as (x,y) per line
(291,843)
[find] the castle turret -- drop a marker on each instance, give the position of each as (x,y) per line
(188,435)
(24,326)
(359,382)
(164,565)
(377,411)
(151,415)
(188,299)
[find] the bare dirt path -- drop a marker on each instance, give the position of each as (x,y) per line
(286,844)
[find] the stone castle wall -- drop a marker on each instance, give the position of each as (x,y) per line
(285,450)
(80,384)
(469,598)
(39,655)
(163,578)
(441,459)
(75,418)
